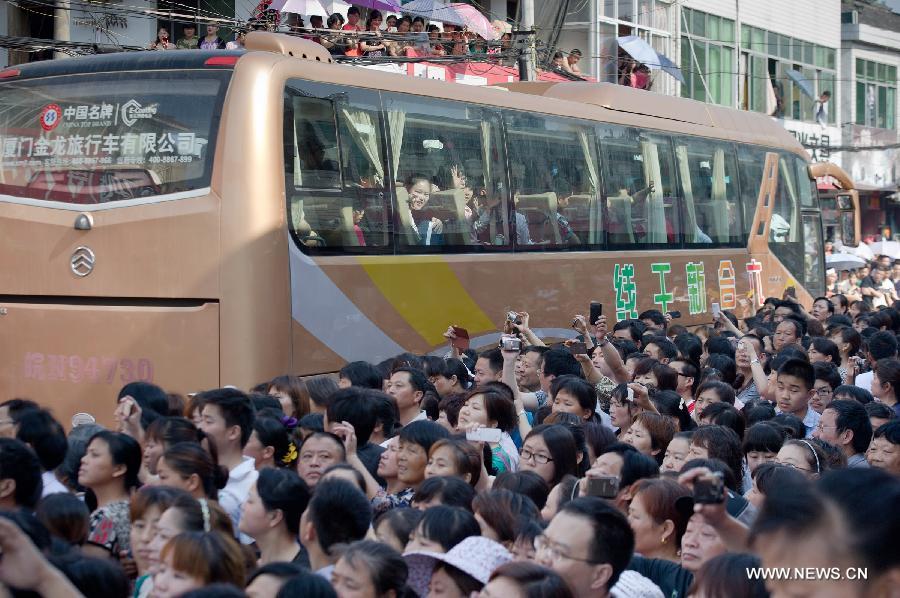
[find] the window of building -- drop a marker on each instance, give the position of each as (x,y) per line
(707,51)
(876,94)
(766,58)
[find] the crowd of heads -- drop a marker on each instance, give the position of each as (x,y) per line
(644,458)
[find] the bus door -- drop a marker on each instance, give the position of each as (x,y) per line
(108,235)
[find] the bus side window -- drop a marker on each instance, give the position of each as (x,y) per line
(448,172)
(708,178)
(335,168)
(751,162)
(555,175)
(642,201)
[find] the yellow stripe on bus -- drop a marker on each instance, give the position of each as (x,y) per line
(427,294)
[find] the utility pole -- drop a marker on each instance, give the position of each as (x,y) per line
(527,66)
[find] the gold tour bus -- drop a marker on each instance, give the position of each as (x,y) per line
(197,219)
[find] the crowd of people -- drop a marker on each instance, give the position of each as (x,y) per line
(643,460)
(374,36)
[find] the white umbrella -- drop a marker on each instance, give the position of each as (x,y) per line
(844,261)
(433,10)
(862,250)
(888,248)
(644,53)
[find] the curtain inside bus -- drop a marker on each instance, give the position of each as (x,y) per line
(97,138)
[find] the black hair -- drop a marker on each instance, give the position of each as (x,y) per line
(265,402)
(860,395)
(868,499)
(879,410)
(527,483)
(283,489)
(654,315)
(352,405)
(577,387)
(65,516)
(792,425)
(494,358)
(423,433)
(802,370)
(451,491)
(271,432)
(386,568)
(559,362)
(215,590)
(889,431)
(94,576)
(610,537)
(402,522)
(505,512)
(666,376)
(189,458)
(667,348)
(448,526)
(123,450)
(724,364)
(723,414)
(362,374)
(148,396)
(724,444)
(798,323)
(562,447)
(724,391)
(312,421)
(758,411)
(45,435)
(731,480)
(455,367)
(726,575)
(882,345)
(828,372)
(763,437)
(596,436)
(172,430)
(320,389)
(386,412)
(828,347)
(635,466)
(719,344)
(669,403)
(417,378)
(499,404)
(19,462)
(235,407)
(339,512)
(307,584)
(406,360)
(690,347)
(357,476)
(281,570)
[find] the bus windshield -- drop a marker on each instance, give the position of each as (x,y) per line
(109,137)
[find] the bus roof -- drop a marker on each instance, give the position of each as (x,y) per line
(122,61)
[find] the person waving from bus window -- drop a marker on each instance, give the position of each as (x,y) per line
(427,230)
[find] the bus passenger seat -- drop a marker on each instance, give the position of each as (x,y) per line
(581,216)
(449,207)
(540,212)
(621,229)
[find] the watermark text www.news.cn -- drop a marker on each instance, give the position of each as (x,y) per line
(807,573)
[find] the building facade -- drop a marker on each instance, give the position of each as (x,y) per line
(870,59)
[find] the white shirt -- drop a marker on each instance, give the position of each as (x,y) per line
(864,381)
(421,417)
(52,485)
(235,492)
(632,584)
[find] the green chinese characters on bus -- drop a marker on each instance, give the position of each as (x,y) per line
(696,287)
(663,298)
(626,292)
